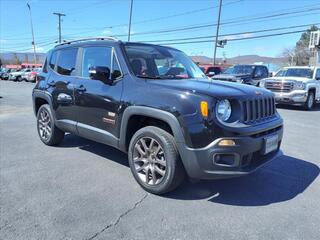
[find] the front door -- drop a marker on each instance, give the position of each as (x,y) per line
(97,102)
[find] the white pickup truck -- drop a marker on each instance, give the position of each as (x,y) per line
(295,86)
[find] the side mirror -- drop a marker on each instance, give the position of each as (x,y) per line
(270,74)
(100,73)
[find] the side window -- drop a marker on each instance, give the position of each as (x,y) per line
(67,61)
(96,57)
(259,72)
(264,72)
(318,74)
(53,59)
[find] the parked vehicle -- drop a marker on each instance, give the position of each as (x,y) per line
(32,75)
(2,71)
(5,74)
(295,86)
(211,70)
(247,74)
(18,75)
(171,123)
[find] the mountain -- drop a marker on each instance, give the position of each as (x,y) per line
(245,59)
(17,58)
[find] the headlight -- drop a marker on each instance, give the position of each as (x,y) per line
(299,85)
(223,110)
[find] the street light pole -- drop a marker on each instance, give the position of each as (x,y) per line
(217,33)
(33,43)
(130,16)
(59,17)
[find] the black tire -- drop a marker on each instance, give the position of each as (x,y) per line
(174,170)
(19,79)
(310,101)
(56,135)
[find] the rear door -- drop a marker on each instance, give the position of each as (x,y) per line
(60,83)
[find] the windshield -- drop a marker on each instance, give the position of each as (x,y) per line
(295,72)
(157,62)
(239,69)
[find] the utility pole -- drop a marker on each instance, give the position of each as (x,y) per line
(59,16)
(130,16)
(33,43)
(217,34)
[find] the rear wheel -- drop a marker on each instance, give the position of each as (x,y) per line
(154,160)
(310,101)
(48,132)
(19,79)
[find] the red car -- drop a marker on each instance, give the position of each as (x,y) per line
(211,70)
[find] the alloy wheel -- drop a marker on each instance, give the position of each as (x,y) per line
(44,125)
(149,161)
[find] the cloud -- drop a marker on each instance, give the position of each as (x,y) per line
(3,40)
(232,37)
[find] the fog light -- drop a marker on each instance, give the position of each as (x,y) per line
(227,142)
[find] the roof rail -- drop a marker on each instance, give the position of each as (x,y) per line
(87,39)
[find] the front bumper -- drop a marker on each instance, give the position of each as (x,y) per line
(296,97)
(247,154)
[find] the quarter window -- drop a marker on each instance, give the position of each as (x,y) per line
(67,61)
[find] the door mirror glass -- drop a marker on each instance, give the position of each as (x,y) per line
(100,73)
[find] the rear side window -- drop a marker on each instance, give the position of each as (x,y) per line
(95,57)
(67,61)
(53,59)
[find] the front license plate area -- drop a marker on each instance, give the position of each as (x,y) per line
(270,144)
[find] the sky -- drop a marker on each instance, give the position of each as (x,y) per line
(158,21)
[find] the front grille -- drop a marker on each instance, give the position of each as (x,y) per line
(276,86)
(258,109)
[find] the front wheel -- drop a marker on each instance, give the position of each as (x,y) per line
(154,160)
(48,132)
(310,101)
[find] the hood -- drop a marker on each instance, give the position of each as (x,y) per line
(282,79)
(212,88)
(233,77)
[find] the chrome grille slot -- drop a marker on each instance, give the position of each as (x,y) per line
(277,86)
(254,110)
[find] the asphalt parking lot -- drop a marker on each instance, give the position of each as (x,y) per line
(85,190)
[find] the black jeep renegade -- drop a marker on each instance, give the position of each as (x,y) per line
(155,104)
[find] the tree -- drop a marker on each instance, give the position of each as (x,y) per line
(302,52)
(16,59)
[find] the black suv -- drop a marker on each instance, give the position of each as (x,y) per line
(247,74)
(155,104)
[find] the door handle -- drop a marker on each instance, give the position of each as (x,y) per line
(81,88)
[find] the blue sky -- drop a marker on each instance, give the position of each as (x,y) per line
(110,17)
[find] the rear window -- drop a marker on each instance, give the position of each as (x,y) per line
(67,61)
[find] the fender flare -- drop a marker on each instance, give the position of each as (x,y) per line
(43,95)
(154,113)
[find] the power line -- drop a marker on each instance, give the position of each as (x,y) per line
(237,39)
(231,34)
(231,21)
(214,24)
